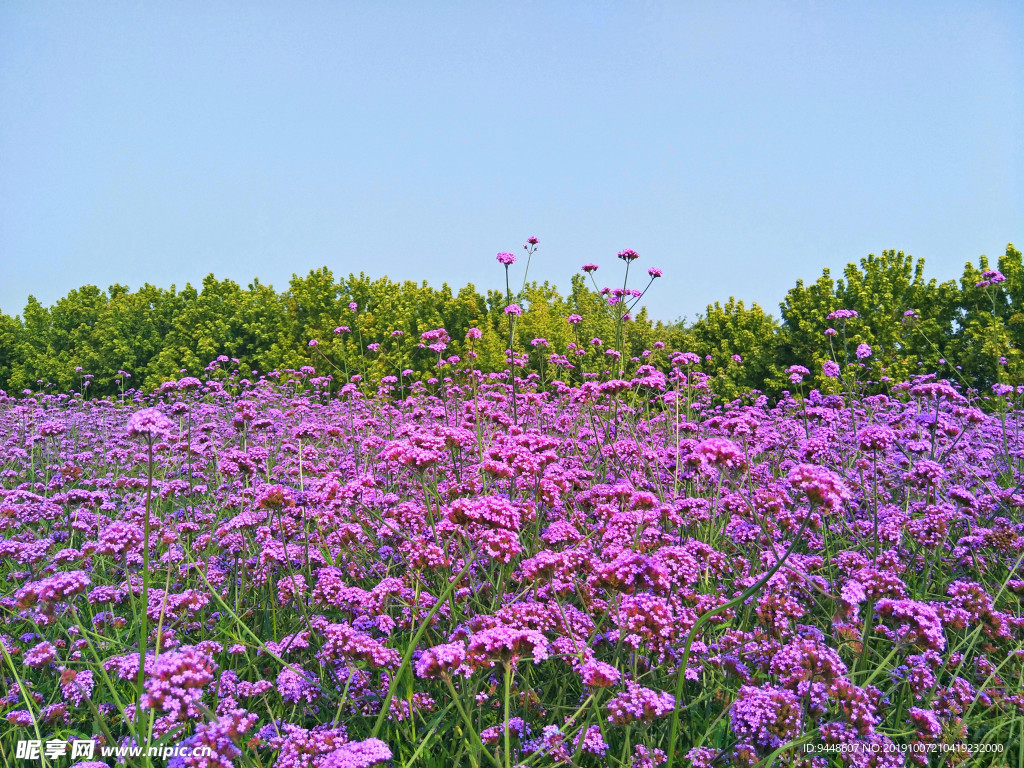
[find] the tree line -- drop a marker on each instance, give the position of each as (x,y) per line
(107,341)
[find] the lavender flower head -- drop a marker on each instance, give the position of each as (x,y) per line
(357,754)
(638,704)
(820,485)
(766,716)
(441,660)
(150,423)
(842,314)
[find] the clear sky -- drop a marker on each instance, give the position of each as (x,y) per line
(737,146)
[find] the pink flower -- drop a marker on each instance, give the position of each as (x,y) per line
(441,660)
(150,423)
(766,716)
(638,704)
(506,645)
(819,485)
(506,258)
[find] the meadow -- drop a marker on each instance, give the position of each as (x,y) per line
(310,569)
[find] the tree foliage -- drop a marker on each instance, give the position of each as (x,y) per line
(94,339)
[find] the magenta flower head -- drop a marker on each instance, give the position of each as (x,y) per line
(150,423)
(533,241)
(654,272)
(994,276)
(638,704)
(598,674)
(506,645)
(474,333)
(353,306)
(513,309)
(796,373)
(313,342)
(820,485)
(507,259)
(357,754)
(842,314)
(720,452)
(629,255)
(342,329)
(589,267)
(441,660)
(767,716)
(863,351)
(574,319)
(830,369)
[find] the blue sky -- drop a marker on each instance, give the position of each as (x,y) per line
(737,146)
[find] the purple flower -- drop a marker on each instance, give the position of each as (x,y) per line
(574,319)
(506,645)
(638,704)
(863,351)
(628,255)
(588,267)
(506,258)
(820,485)
(876,438)
(357,754)
(994,276)
(766,716)
(797,373)
(917,622)
(513,309)
(597,674)
(830,369)
(150,423)
(654,272)
(176,681)
(842,314)
(441,660)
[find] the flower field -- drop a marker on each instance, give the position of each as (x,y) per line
(615,572)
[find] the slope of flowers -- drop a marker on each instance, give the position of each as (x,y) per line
(622,575)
